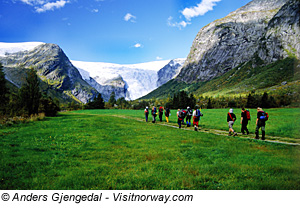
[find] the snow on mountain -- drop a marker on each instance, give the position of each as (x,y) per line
(140,78)
(9,48)
(170,71)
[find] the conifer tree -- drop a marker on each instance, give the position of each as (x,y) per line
(30,94)
(112,99)
(3,91)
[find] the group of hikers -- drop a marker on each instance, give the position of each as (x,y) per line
(195,114)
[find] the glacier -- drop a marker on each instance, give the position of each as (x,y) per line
(140,78)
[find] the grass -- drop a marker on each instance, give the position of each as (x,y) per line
(83,151)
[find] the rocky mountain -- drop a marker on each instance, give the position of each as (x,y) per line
(256,47)
(52,65)
(130,81)
(268,29)
(169,71)
(61,79)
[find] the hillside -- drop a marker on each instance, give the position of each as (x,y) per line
(257,47)
(58,76)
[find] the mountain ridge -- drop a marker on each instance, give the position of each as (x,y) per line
(225,43)
(247,41)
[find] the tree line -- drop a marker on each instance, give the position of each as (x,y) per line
(28,100)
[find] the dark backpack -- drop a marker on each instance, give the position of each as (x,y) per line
(154,111)
(264,116)
(181,114)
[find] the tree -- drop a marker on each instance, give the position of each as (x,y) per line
(264,103)
(209,104)
(112,99)
(30,94)
(251,101)
(121,102)
(3,91)
(97,103)
(48,106)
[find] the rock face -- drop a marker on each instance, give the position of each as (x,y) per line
(268,29)
(53,67)
(169,71)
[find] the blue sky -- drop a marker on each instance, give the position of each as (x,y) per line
(114,31)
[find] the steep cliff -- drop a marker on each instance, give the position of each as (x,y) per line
(53,67)
(268,29)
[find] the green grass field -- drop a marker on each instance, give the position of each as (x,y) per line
(98,149)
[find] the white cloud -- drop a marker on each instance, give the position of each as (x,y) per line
(45,5)
(51,6)
(137,45)
(158,58)
(95,11)
(199,10)
(33,2)
(129,17)
(179,25)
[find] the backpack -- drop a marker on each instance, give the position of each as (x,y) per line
(198,114)
(264,116)
(181,114)
(248,114)
(154,111)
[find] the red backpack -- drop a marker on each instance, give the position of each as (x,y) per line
(248,114)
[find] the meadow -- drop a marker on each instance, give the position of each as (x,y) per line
(116,149)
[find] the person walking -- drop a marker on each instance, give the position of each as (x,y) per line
(189,116)
(180,115)
(146,112)
(261,119)
(167,113)
(245,116)
(160,113)
(196,118)
(153,113)
(230,120)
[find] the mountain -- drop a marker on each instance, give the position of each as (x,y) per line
(252,30)
(233,54)
(130,81)
(169,71)
(53,67)
(60,78)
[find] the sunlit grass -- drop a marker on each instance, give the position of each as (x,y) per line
(77,151)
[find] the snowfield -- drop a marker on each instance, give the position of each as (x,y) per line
(140,78)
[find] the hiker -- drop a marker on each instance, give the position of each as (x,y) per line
(261,119)
(160,113)
(146,112)
(189,116)
(245,116)
(196,118)
(153,113)
(180,115)
(167,114)
(230,120)
(184,113)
